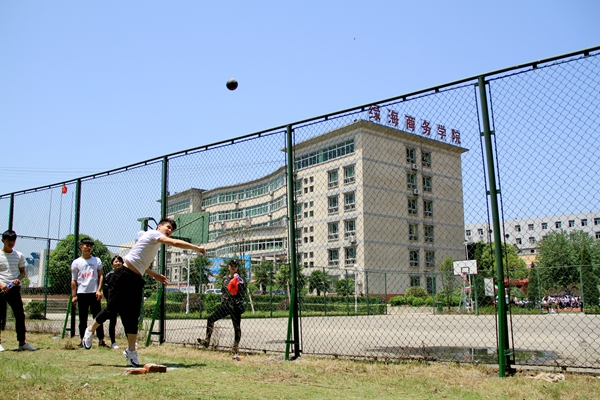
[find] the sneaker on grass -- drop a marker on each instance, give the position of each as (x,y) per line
(87,339)
(114,346)
(27,347)
(1,348)
(132,357)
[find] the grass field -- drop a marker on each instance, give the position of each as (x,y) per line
(60,371)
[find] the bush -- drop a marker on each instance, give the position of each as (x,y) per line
(418,301)
(417,291)
(398,301)
(409,299)
(429,301)
(35,310)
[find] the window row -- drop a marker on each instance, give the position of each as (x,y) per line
(411,157)
(411,182)
(413,207)
(413,233)
(326,154)
(333,176)
(250,192)
(333,257)
(414,259)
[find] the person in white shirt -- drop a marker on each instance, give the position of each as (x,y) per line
(126,285)
(12,272)
(86,287)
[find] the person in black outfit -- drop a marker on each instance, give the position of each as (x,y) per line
(232,303)
(117,262)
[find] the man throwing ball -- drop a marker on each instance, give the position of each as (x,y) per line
(127,283)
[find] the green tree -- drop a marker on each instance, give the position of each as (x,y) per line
(59,268)
(199,272)
(533,292)
(283,278)
(560,258)
(319,281)
(263,275)
(449,282)
(514,267)
(344,287)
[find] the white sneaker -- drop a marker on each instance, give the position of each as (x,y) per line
(87,338)
(27,347)
(132,357)
(114,346)
(1,348)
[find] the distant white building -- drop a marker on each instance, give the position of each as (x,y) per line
(525,234)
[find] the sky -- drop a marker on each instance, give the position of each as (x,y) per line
(92,86)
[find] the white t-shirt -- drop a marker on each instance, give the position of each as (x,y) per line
(144,251)
(85,273)
(9,265)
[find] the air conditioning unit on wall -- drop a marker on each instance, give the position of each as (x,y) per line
(416,192)
(415,166)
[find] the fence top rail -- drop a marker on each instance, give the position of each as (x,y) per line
(281,129)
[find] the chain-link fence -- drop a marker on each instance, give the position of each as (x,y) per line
(348,226)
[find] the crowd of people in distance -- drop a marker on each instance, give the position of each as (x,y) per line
(553,304)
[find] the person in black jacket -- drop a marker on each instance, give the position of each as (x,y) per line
(116,262)
(232,303)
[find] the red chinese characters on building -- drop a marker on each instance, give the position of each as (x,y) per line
(393,117)
(441,131)
(426,128)
(374,113)
(455,136)
(409,122)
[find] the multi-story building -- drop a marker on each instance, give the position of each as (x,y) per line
(368,197)
(526,233)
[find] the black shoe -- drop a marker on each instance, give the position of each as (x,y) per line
(103,344)
(80,345)
(203,342)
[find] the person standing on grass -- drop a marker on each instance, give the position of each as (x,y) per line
(117,262)
(86,287)
(232,303)
(12,272)
(126,286)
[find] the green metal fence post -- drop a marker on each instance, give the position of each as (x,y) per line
(11,211)
(46,261)
(324,293)
(367,293)
(347,298)
(503,353)
(385,290)
(76,215)
(163,254)
(293,323)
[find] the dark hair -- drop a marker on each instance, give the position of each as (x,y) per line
(86,241)
(9,234)
(233,262)
(117,258)
(170,221)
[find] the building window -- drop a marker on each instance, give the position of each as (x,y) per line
(571,223)
(427,184)
(350,255)
(312,179)
(468,232)
(558,224)
(426,159)
(430,259)
(334,257)
(333,231)
(333,207)
(544,225)
(531,240)
(411,157)
(324,155)
(596,221)
(413,258)
(311,254)
(428,234)
(431,285)
(480,232)
(584,222)
(298,188)
(411,181)
(519,241)
(530,227)
(415,281)
(311,189)
(412,207)
(413,232)
(349,175)
(518,228)
(349,201)
(597,235)
(332,179)
(349,227)
(312,239)
(428,208)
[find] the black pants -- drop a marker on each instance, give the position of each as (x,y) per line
(124,298)
(85,303)
(112,325)
(221,312)
(13,298)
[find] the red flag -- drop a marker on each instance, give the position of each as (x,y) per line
(64,189)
